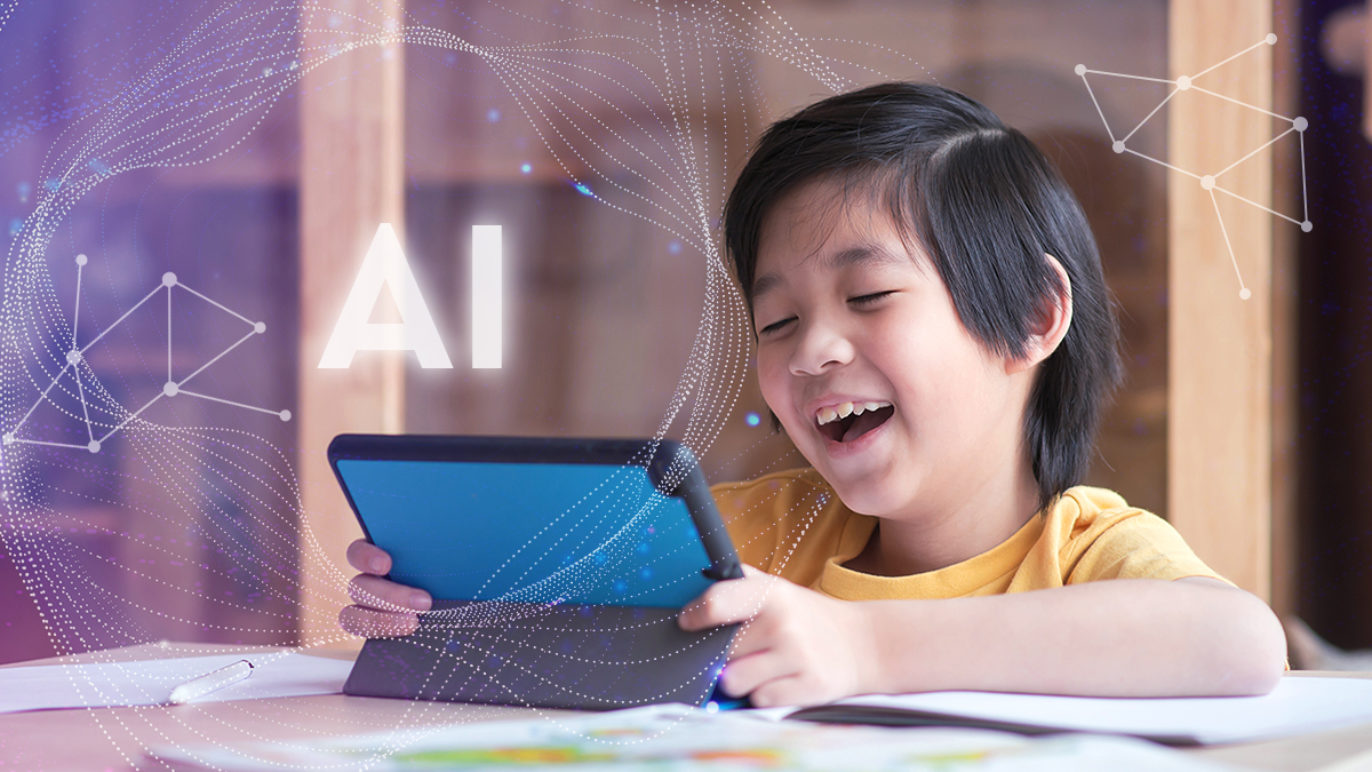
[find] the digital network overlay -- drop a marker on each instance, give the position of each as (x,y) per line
(76,356)
(1210,182)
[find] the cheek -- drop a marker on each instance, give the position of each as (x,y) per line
(773,380)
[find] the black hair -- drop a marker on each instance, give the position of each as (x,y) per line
(986,205)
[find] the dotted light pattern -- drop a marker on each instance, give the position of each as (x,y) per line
(1210,182)
(623,107)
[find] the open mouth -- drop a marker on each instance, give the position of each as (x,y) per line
(846,428)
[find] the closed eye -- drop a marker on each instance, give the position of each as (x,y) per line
(863,300)
(774,326)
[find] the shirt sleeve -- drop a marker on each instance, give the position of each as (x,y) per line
(1136,545)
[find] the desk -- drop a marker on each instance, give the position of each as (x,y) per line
(114,738)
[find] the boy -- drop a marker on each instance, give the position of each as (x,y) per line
(934,335)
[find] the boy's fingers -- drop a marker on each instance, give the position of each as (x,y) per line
(741,676)
(724,603)
(368,558)
(375,592)
(752,637)
(786,690)
(371,623)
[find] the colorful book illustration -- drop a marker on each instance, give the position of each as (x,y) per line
(686,739)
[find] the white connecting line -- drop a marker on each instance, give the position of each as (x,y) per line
(172,388)
(1210,182)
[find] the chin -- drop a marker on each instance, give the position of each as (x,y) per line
(864,503)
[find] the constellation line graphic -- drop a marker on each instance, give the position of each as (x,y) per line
(171,388)
(1210,182)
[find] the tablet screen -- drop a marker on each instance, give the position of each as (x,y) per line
(537,533)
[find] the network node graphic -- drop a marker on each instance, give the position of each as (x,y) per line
(1209,182)
(76,356)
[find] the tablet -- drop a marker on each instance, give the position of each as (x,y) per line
(557,566)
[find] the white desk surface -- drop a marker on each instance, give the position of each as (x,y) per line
(114,738)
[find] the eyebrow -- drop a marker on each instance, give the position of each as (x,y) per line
(857,255)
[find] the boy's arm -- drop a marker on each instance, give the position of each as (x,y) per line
(1115,638)
(1119,637)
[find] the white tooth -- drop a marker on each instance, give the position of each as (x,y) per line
(858,407)
(875,405)
(845,410)
(827,414)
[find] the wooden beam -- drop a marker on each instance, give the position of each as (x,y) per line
(1288,197)
(1220,377)
(352,178)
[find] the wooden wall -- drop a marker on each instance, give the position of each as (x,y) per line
(351,181)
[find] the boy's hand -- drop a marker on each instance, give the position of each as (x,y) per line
(383,608)
(795,647)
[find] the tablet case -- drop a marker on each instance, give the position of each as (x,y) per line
(567,596)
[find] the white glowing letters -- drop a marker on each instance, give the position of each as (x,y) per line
(385,267)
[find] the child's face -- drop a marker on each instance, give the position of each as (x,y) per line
(827,336)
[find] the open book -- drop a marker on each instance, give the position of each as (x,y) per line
(1299,704)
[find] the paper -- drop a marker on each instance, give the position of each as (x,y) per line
(150,682)
(1299,704)
(684,739)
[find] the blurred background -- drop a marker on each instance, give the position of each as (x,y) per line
(253,150)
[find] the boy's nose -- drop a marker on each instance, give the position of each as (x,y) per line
(820,348)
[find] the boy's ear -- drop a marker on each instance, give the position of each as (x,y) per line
(1051,321)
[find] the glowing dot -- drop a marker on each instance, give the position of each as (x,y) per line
(170,388)
(674,247)
(621,586)
(1245,293)
(1307,226)
(1300,124)
(73,357)
(1118,146)
(526,167)
(1271,39)
(1184,83)
(9,437)
(492,115)
(259,328)
(169,279)
(645,573)
(712,707)
(1208,182)
(1080,69)
(285,415)
(81,259)
(583,189)
(93,446)
(752,419)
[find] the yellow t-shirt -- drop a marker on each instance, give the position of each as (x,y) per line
(792,524)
